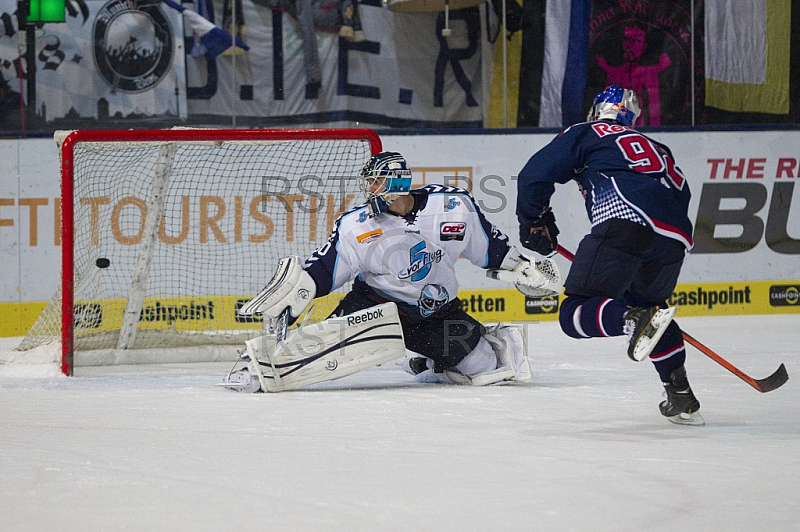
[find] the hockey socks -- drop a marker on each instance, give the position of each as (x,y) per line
(595,317)
(669,353)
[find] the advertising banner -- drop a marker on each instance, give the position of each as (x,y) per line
(744,207)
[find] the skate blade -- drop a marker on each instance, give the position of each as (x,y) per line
(694,419)
(231,384)
(238,387)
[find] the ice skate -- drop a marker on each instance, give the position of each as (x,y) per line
(680,406)
(241,381)
(422,370)
(415,365)
(644,328)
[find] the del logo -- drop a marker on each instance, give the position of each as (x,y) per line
(541,305)
(452,230)
(133,44)
(781,296)
(366,238)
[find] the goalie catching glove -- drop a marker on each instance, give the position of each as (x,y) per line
(291,287)
(534,279)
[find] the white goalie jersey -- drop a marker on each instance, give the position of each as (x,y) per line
(410,259)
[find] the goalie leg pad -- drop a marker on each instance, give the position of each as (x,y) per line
(480,367)
(291,286)
(330,349)
(509,346)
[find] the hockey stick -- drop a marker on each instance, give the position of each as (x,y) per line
(280,330)
(281,326)
(767,384)
(776,380)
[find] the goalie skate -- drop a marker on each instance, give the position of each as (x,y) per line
(241,381)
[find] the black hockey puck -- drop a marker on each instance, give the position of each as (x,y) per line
(103,262)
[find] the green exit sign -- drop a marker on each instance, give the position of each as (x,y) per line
(46,11)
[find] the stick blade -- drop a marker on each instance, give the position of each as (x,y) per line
(774,381)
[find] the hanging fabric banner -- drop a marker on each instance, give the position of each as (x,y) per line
(110,59)
(118,59)
(644,46)
(748,44)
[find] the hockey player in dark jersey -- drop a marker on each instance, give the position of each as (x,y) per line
(628,265)
(399,249)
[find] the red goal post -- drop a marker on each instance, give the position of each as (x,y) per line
(198,174)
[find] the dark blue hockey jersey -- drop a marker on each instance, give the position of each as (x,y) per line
(621,173)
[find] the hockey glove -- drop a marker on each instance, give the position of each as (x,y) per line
(534,279)
(540,235)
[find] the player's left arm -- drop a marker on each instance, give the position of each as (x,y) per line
(556,163)
(333,264)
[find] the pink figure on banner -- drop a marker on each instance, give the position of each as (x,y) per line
(643,79)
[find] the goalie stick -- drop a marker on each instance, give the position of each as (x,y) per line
(767,384)
(280,329)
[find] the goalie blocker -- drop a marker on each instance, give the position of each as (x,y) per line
(327,350)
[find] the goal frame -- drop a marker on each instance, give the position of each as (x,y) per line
(163,135)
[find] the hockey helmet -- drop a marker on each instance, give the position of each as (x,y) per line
(383,179)
(615,103)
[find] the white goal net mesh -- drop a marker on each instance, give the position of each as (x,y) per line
(171,237)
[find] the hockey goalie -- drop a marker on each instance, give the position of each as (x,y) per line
(399,249)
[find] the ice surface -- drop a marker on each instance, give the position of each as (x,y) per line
(582,447)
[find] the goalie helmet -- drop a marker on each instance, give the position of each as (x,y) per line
(615,103)
(383,179)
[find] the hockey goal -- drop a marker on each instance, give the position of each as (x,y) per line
(165,233)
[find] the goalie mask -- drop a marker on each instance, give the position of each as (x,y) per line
(615,103)
(383,179)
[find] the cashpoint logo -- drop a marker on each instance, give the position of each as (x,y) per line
(541,305)
(784,295)
(171,313)
(88,316)
(255,318)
